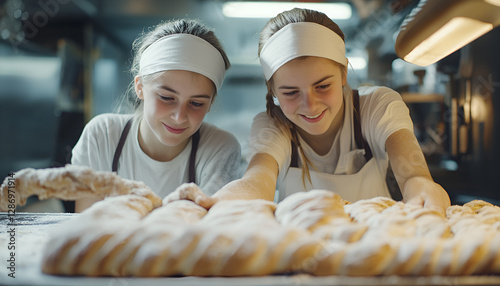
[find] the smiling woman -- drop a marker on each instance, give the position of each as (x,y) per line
(178,68)
(324,135)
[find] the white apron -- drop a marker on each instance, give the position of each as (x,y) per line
(366,183)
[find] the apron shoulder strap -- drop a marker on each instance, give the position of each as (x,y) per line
(390,179)
(192,157)
(119,147)
(358,136)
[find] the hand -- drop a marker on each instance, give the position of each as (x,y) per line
(425,192)
(191,191)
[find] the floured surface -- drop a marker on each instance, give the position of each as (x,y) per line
(34,229)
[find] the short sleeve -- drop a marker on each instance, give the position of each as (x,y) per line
(220,159)
(267,137)
(383,112)
(93,148)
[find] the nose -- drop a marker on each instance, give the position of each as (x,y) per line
(309,98)
(179,114)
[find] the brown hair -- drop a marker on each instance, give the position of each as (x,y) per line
(182,26)
(274,25)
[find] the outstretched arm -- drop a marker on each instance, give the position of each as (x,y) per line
(412,174)
(258,182)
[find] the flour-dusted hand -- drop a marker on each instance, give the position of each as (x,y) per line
(191,191)
(427,193)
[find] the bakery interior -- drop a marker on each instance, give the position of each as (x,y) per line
(63,62)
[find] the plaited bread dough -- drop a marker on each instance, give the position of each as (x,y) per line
(321,212)
(362,210)
(77,241)
(234,238)
(71,183)
(313,232)
(360,258)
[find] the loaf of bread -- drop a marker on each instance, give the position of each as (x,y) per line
(69,183)
(133,233)
(234,238)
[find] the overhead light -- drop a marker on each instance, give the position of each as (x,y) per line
(268,9)
(357,63)
(438,28)
(455,34)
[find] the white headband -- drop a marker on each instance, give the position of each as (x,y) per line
(184,52)
(301,39)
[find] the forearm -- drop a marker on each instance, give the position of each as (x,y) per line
(406,157)
(247,189)
(412,173)
(259,181)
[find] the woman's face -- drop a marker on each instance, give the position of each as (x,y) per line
(309,91)
(175,104)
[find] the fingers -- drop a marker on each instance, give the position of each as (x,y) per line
(181,193)
(205,201)
(191,192)
(428,203)
(194,193)
(426,193)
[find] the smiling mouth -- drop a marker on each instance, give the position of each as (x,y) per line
(174,130)
(313,118)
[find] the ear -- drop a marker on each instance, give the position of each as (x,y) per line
(138,87)
(344,78)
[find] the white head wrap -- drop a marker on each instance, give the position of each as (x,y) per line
(184,52)
(301,39)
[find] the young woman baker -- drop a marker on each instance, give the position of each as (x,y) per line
(178,68)
(321,134)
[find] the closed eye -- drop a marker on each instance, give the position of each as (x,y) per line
(293,92)
(197,104)
(165,98)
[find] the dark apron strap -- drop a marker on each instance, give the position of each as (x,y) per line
(192,156)
(294,163)
(358,136)
(390,179)
(119,148)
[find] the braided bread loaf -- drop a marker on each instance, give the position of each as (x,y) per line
(315,232)
(70,183)
(234,238)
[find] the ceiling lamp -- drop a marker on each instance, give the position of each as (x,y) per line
(437,28)
(269,9)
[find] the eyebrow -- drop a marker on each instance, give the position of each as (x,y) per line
(317,82)
(164,87)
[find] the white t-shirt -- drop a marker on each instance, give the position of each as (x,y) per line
(383,112)
(217,160)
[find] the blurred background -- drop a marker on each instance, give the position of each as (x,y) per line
(64,61)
